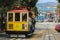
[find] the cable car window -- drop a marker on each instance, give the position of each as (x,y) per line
(24,16)
(10,17)
(17,16)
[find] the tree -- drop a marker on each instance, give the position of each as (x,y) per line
(31,4)
(9,4)
(6,4)
(58,10)
(59,1)
(35,10)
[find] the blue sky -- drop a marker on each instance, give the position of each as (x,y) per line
(43,1)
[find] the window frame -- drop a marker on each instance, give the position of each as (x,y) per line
(15,17)
(27,16)
(8,16)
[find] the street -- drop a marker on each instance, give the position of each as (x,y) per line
(40,33)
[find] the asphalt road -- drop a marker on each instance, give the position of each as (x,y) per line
(39,34)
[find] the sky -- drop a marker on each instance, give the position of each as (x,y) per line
(43,1)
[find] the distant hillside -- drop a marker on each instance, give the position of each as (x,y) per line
(46,4)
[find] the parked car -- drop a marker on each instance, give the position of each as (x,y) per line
(57,27)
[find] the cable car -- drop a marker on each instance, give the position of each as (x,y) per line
(19,22)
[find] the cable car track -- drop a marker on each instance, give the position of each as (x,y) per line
(51,36)
(11,38)
(49,32)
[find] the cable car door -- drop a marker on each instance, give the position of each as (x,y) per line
(9,21)
(25,21)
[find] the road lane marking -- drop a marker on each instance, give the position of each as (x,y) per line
(40,32)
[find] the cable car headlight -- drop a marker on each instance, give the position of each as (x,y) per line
(24,26)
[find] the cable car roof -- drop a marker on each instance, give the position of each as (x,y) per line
(18,11)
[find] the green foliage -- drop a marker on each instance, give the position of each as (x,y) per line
(29,3)
(59,1)
(9,4)
(5,3)
(35,10)
(59,9)
(32,5)
(58,6)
